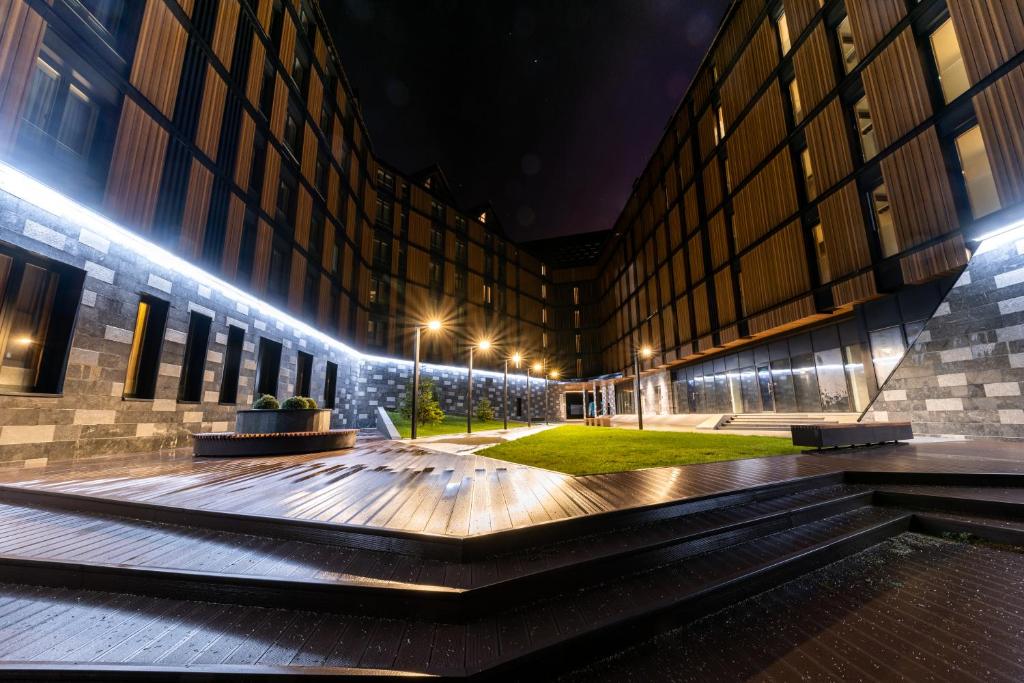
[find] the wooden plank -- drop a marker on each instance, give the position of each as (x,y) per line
(815,68)
(197,205)
(211,113)
(829,146)
(159,53)
(871,20)
(136,167)
(989,33)
(896,90)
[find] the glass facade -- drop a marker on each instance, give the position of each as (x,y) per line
(835,368)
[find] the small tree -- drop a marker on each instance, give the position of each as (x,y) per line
(484,410)
(428,408)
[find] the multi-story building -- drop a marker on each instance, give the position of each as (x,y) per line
(826,178)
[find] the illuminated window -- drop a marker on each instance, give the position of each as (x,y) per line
(38,301)
(981,188)
(949,61)
(809,181)
(544,339)
(884,224)
(576,319)
(543,269)
(865,128)
(794,99)
(543,291)
(544,316)
(822,252)
(783,27)
(576,295)
(144,356)
(847,48)
(487,294)
(720,125)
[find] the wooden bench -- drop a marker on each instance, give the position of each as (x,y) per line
(852,434)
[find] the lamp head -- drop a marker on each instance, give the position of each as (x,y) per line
(484,344)
(517,358)
(537,367)
(434,325)
(554,374)
(646,351)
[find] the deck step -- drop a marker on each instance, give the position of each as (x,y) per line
(59,548)
(124,631)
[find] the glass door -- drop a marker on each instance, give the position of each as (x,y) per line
(764,383)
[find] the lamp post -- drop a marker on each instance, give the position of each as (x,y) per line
(537,368)
(483,345)
(515,359)
(547,395)
(646,352)
(433,326)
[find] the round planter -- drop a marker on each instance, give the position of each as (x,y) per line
(282,421)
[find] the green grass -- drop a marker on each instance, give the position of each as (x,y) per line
(593,450)
(452,424)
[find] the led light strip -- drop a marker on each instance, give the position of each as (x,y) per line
(30,190)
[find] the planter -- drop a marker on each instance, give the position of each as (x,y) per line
(282,421)
(232,445)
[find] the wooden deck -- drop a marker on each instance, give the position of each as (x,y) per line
(385,485)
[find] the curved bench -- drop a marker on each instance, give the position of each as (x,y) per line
(233,444)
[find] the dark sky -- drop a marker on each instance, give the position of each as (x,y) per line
(549,108)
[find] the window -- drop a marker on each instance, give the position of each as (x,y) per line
(385,212)
(576,295)
(268,367)
(460,223)
(116,17)
(949,61)
(576,319)
(579,343)
(232,365)
(293,133)
(543,291)
(783,27)
(460,251)
(544,316)
(437,211)
(487,294)
(544,339)
(436,239)
(300,69)
(460,280)
(886,351)
(38,302)
(718,125)
(267,89)
(303,373)
(286,199)
(884,224)
(259,163)
(320,175)
(325,119)
(822,252)
(865,128)
(247,248)
(981,188)
(381,252)
(847,48)
(68,121)
(809,182)
(435,274)
(543,269)
(375,330)
(280,267)
(794,100)
(330,385)
(144,356)
(316,237)
(310,292)
(190,383)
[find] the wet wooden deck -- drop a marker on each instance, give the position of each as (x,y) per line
(387,485)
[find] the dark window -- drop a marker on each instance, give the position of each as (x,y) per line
(436,240)
(259,162)
(68,121)
(300,69)
(330,385)
(277,281)
(381,252)
(190,385)
(286,199)
(303,373)
(268,367)
(437,211)
(116,21)
(325,119)
(316,237)
(267,89)
(435,275)
(293,133)
(375,332)
(232,365)
(247,249)
(321,172)
(38,304)
(385,212)
(277,22)
(144,357)
(309,293)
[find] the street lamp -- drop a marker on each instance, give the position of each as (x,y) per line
(433,326)
(516,358)
(646,352)
(483,345)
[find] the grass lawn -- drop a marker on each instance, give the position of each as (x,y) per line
(452,424)
(593,450)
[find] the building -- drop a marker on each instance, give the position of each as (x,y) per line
(823,183)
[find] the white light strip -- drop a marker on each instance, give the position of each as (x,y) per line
(49,200)
(1001,236)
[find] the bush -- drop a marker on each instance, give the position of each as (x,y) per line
(484,410)
(310,403)
(294,403)
(266,402)
(428,408)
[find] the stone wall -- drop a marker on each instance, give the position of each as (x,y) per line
(965,373)
(90,417)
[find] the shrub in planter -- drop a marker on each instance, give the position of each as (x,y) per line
(294,403)
(310,403)
(265,402)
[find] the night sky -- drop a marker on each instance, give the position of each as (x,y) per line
(548,109)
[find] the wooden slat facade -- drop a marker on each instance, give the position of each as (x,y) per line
(845,232)
(1000,111)
(21,32)
(212,113)
(870,20)
(765,201)
(896,90)
(990,33)
(136,168)
(760,132)
(815,68)
(751,70)
(223,42)
(922,201)
(799,14)
(774,270)
(828,143)
(161,49)
(948,256)
(197,205)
